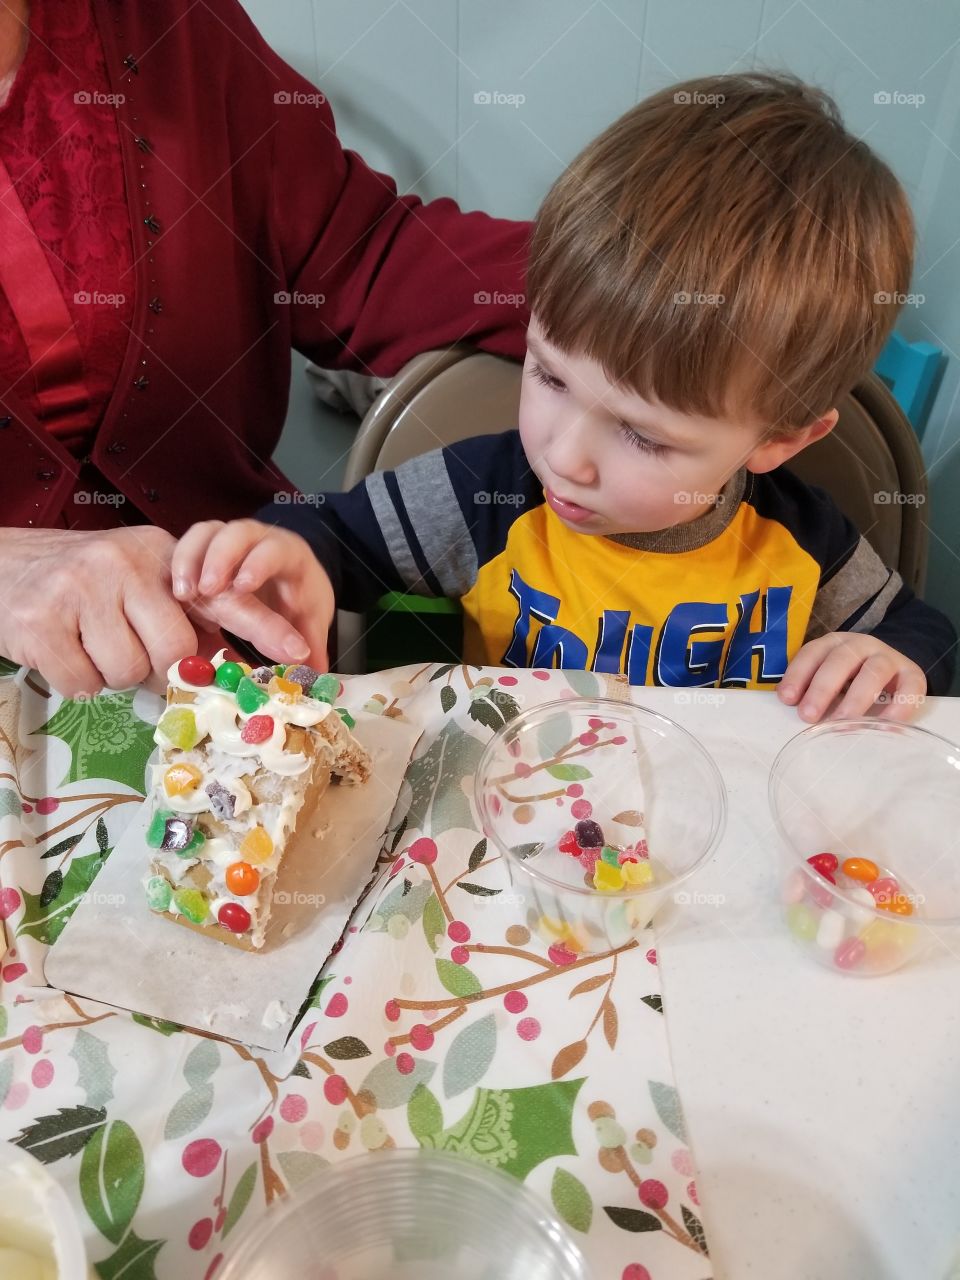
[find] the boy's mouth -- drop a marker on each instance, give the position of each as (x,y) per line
(571,511)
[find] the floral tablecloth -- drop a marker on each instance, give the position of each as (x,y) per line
(440,1021)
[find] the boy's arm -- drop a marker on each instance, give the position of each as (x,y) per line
(859,593)
(419,528)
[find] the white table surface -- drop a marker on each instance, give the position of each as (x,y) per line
(823,1110)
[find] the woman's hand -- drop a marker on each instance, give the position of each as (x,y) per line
(91,610)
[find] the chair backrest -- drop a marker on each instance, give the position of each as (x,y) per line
(870,464)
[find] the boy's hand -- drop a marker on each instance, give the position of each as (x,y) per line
(856,668)
(263,584)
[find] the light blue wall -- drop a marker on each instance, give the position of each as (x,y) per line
(402,76)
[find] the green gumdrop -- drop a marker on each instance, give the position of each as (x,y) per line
(325,688)
(280,670)
(179,726)
(801,922)
(197,841)
(158,826)
(192,904)
(346,717)
(609,855)
(158,893)
(228,675)
(251,696)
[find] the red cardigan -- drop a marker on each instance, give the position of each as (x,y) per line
(240,196)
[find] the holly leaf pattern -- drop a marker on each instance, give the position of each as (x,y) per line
(53,1137)
(437,799)
(47,912)
(111,1178)
(95,1072)
(134,1260)
(106,737)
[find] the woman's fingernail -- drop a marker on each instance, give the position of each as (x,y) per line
(181,587)
(207,585)
(296,649)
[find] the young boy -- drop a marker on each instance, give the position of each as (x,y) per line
(708,279)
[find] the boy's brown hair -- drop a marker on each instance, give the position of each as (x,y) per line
(726,246)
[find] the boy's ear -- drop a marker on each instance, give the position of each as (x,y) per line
(779,449)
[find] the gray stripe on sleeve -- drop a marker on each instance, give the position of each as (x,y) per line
(434,511)
(392,531)
(863,577)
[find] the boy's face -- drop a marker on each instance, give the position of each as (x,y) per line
(612,462)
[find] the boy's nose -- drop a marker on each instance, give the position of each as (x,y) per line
(569,457)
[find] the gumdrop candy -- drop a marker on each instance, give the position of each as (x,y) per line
(589,834)
(159,893)
(250,696)
(257,845)
(302,675)
(181,779)
(192,904)
(179,727)
(257,729)
(325,688)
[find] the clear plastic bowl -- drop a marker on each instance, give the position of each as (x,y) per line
(37,1221)
(878,790)
(407,1215)
(636,773)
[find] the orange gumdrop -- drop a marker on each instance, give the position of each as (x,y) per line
(257,845)
(242,879)
(289,688)
(181,778)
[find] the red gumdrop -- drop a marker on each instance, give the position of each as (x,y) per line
(568,844)
(257,729)
(234,917)
(653,1194)
(196,670)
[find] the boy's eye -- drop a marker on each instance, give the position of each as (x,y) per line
(640,442)
(546,379)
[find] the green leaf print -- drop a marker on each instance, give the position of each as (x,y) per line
(437,799)
(95,1072)
(111,1178)
(46,912)
(51,1138)
(240,1198)
(106,737)
(434,922)
(571,1199)
(457,979)
(667,1102)
(469,1055)
(390,1087)
(132,1261)
(424,1114)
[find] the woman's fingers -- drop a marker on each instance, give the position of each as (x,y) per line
(188,557)
(267,630)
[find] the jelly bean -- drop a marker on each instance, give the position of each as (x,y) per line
(346,717)
(242,879)
(825,863)
(228,675)
(589,834)
(257,845)
(179,727)
(849,953)
(181,837)
(860,869)
(222,802)
(830,930)
(899,904)
(606,878)
(196,671)
(325,688)
(822,868)
(157,828)
(159,893)
(610,855)
(192,904)
(820,894)
(181,779)
(636,873)
(257,729)
(801,922)
(794,888)
(884,889)
(250,696)
(281,687)
(880,933)
(302,675)
(568,844)
(234,917)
